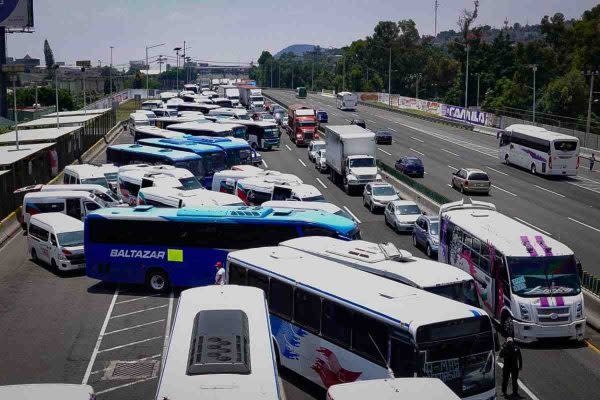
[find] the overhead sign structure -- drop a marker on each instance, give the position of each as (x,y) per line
(84,63)
(16,14)
(13,68)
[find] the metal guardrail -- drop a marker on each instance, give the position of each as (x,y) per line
(590,282)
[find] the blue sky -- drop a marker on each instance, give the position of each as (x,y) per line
(237,30)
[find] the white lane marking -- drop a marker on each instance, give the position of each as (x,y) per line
(134,327)
(265,164)
(584,224)
(416,151)
(383,151)
(301,162)
(322,184)
(449,152)
(451,167)
(351,214)
(136,299)
(125,385)
(130,344)
(533,226)
(449,185)
(504,190)
(417,139)
(425,172)
(371,121)
(288,147)
(137,312)
(139,359)
(88,370)
(168,326)
(392,129)
(550,191)
(522,385)
(495,170)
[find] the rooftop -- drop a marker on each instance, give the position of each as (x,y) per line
(9,155)
(36,135)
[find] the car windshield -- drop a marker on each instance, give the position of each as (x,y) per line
(384,191)
(243,116)
(463,292)
(434,228)
(318,198)
(544,276)
(194,166)
(95,181)
(565,145)
(107,198)
(69,239)
(478,176)
(190,183)
(362,163)
(409,209)
(240,132)
(111,177)
(256,98)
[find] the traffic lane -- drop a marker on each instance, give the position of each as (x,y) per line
(47,321)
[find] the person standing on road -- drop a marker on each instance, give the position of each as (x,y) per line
(513,363)
(592,161)
(220,275)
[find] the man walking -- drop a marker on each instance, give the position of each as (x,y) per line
(513,362)
(220,275)
(592,161)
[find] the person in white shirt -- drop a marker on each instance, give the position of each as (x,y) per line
(220,275)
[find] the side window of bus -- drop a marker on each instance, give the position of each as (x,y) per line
(281,299)
(336,323)
(307,310)
(237,275)
(402,358)
(258,281)
(467,243)
(317,231)
(369,337)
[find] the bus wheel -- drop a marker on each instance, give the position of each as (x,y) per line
(157,281)
(506,160)
(508,328)
(533,169)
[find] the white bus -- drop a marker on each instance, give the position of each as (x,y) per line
(539,150)
(159,196)
(387,260)
(220,347)
(346,101)
(526,280)
(392,389)
(333,324)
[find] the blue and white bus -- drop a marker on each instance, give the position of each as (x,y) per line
(213,157)
(124,154)
(334,324)
(238,151)
(165,246)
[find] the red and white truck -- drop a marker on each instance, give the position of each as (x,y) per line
(302,124)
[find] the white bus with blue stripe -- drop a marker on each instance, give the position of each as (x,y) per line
(334,324)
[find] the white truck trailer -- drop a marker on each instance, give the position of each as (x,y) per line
(251,97)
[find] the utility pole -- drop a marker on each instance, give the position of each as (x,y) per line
(591,74)
(56,93)
(478,78)
(436,4)
(148,66)
(312,73)
(110,70)
(279,75)
(534,67)
(390,78)
(271,66)
(467,80)
(177,49)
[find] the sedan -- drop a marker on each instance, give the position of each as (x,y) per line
(402,215)
(359,122)
(383,137)
(412,166)
(426,234)
(471,180)
(378,195)
(322,116)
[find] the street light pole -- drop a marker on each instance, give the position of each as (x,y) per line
(14,79)
(390,78)
(148,65)
(467,80)
(110,71)
(177,68)
(592,74)
(534,67)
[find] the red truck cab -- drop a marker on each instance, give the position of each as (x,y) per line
(302,124)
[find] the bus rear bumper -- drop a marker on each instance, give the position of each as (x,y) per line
(530,332)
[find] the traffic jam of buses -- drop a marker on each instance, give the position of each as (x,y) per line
(274,273)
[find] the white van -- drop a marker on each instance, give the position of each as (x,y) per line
(175,198)
(76,204)
(57,240)
(225,181)
(148,113)
(103,193)
(84,174)
(135,120)
(62,391)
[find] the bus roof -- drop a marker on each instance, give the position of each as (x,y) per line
(260,383)
(381,297)
(392,389)
(385,260)
(200,127)
(303,205)
(481,220)
(182,118)
(226,143)
(539,132)
(159,132)
(260,124)
(181,144)
(175,155)
(192,198)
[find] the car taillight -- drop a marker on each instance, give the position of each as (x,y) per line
(66,252)
(466,183)
(299,135)
(316,136)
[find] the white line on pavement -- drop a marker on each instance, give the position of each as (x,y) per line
(449,152)
(137,312)
(130,344)
(392,129)
(417,139)
(550,191)
(288,147)
(125,385)
(322,184)
(86,376)
(383,151)
(504,190)
(371,121)
(138,360)
(495,170)
(522,385)
(584,224)
(416,151)
(451,167)
(351,214)
(136,299)
(134,327)
(265,164)
(301,162)
(533,226)
(168,325)
(449,185)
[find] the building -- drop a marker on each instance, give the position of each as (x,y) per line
(29,62)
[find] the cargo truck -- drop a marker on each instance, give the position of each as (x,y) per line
(301,92)
(251,97)
(230,92)
(350,156)
(302,124)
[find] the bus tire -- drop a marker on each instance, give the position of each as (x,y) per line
(533,169)
(157,281)
(508,329)
(428,251)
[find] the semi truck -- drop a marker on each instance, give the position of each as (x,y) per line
(302,124)
(230,92)
(350,156)
(301,92)
(251,97)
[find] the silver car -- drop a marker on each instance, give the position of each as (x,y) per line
(378,194)
(402,215)
(471,180)
(321,161)
(313,148)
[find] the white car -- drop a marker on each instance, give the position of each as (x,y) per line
(321,161)
(313,148)
(402,215)
(378,195)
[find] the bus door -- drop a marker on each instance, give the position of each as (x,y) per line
(502,287)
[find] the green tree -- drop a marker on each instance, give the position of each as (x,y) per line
(48,57)
(565,95)
(138,82)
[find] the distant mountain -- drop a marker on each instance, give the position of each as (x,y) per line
(297,49)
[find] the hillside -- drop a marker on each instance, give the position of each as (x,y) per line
(297,49)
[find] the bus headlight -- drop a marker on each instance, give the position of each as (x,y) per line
(579,310)
(524,312)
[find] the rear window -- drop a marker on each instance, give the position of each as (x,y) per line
(414,161)
(478,176)
(565,145)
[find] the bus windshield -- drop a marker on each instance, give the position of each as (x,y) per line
(69,239)
(543,276)
(463,292)
(95,181)
(240,132)
(194,166)
(271,133)
(190,183)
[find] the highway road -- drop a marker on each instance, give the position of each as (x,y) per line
(72,329)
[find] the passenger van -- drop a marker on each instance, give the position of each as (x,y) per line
(135,120)
(257,190)
(164,112)
(150,104)
(177,198)
(85,174)
(76,204)
(103,193)
(57,240)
